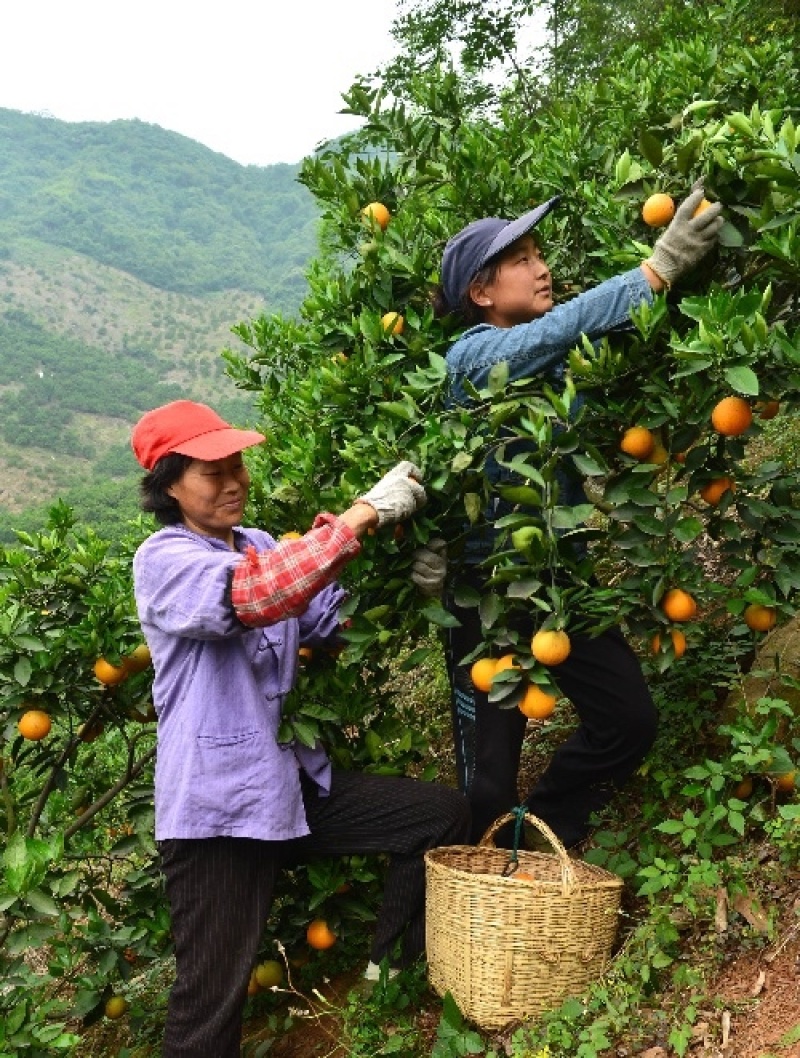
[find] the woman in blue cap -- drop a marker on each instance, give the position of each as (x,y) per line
(495,280)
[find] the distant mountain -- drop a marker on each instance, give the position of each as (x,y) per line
(126,254)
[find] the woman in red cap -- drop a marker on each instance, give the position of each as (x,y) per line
(225,610)
(496,282)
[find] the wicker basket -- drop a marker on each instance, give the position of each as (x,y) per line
(508,948)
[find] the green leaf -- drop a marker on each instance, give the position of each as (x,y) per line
(437,615)
(743,380)
(42,903)
(650,146)
(22,671)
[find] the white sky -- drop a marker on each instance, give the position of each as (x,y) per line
(258,80)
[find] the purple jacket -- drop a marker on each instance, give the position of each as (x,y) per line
(218,692)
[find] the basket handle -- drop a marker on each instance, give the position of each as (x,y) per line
(567,870)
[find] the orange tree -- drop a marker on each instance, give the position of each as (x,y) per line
(77,884)
(342,397)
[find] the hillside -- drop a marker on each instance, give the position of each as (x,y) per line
(126,255)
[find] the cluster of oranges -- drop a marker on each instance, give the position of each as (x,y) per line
(35,724)
(730,417)
(659,209)
(549,646)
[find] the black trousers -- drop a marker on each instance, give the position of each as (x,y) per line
(604,681)
(220,892)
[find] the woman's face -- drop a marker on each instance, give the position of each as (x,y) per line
(212,495)
(522,289)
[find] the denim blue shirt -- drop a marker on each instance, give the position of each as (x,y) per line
(541,347)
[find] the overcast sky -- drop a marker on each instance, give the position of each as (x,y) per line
(258,80)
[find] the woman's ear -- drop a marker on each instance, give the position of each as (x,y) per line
(478,295)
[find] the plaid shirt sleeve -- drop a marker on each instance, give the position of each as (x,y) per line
(269,586)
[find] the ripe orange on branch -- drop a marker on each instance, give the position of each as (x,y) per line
(115,1007)
(109,674)
(379,213)
(482,672)
(731,416)
(537,704)
(34,725)
(319,935)
(704,205)
(714,490)
(637,441)
(658,210)
(678,605)
(678,642)
(760,618)
(393,322)
(551,646)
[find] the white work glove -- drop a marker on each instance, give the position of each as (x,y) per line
(429,567)
(687,239)
(398,494)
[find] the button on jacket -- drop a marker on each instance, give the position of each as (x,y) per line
(219,689)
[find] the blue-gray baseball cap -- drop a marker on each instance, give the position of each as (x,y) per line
(474,246)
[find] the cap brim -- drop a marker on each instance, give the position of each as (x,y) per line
(515,229)
(217,444)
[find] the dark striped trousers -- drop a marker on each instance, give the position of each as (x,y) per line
(220,892)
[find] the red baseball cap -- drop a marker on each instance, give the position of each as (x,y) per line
(190,429)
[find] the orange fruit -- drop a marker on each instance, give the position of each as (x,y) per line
(319,935)
(713,491)
(637,441)
(379,213)
(658,210)
(393,322)
(269,973)
(305,654)
(139,659)
(507,661)
(522,876)
(768,409)
(551,646)
(34,724)
(731,416)
(115,1007)
(785,783)
(704,205)
(678,642)
(760,618)
(291,535)
(743,789)
(678,605)
(537,704)
(659,455)
(252,985)
(482,672)
(109,674)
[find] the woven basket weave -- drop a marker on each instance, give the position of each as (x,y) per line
(508,948)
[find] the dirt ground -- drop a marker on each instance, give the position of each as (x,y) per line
(752,1010)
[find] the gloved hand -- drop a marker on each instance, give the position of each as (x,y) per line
(687,239)
(398,494)
(429,567)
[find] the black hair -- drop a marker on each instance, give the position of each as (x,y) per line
(153,487)
(466,312)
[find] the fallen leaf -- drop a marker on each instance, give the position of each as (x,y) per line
(757,987)
(750,909)
(721,915)
(726,1027)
